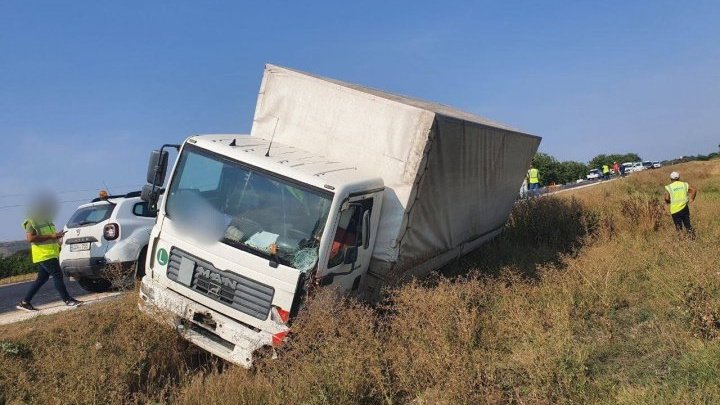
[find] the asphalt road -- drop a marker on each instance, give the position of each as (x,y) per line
(11,294)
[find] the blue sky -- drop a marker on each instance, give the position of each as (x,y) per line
(87,88)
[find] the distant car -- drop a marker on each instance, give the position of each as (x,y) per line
(656,165)
(626,167)
(594,174)
(637,167)
(647,164)
(107,234)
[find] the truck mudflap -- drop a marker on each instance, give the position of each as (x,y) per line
(218,334)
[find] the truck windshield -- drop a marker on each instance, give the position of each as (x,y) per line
(249,209)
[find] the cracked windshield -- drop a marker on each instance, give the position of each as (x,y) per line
(248,209)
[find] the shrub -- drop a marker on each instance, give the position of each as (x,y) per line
(16,264)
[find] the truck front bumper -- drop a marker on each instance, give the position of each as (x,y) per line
(220,335)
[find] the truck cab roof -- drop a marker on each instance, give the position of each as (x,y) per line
(288,161)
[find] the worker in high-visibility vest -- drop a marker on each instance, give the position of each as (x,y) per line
(533,180)
(678,195)
(44,241)
(606,172)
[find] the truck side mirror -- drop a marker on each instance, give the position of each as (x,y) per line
(157,167)
(351,255)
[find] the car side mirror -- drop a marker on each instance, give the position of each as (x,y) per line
(157,167)
(351,255)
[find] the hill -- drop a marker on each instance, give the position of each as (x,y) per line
(587,297)
(12,247)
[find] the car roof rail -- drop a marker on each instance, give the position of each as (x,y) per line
(128,195)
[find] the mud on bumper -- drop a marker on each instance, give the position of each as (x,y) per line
(220,335)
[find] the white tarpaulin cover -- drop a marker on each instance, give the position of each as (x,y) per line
(451,177)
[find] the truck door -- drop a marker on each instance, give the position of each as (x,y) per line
(351,247)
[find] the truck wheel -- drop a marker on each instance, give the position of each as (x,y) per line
(95,285)
(140,264)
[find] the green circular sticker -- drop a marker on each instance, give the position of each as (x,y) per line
(162,256)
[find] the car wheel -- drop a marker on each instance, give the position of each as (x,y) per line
(95,285)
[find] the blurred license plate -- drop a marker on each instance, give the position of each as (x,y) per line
(79,247)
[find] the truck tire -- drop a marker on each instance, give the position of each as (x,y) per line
(95,285)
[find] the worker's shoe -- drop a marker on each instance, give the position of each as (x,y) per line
(26,306)
(72,302)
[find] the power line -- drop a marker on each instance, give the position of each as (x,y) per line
(69,191)
(59,202)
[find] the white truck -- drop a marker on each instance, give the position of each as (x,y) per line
(337,185)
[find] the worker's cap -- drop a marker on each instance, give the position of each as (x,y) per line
(674,175)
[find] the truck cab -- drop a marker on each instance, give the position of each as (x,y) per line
(245,230)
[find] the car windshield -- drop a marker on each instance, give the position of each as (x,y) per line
(249,209)
(90,215)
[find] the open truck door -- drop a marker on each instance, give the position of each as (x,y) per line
(352,242)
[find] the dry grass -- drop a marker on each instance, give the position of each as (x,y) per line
(586,298)
(105,353)
(18,279)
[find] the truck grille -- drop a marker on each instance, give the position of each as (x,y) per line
(246,295)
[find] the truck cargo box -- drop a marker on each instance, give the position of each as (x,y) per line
(451,177)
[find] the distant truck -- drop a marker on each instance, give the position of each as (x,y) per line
(337,185)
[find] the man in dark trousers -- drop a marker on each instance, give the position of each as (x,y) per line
(44,241)
(678,195)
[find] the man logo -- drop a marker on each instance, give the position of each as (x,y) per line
(214,290)
(217,277)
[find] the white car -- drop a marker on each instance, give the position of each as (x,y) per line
(656,165)
(594,174)
(627,167)
(637,167)
(107,234)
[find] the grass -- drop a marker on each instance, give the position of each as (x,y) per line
(18,278)
(587,297)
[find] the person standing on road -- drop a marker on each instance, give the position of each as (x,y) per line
(616,168)
(533,180)
(606,172)
(678,195)
(44,240)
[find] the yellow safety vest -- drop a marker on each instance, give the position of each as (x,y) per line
(45,250)
(533,176)
(606,169)
(678,191)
